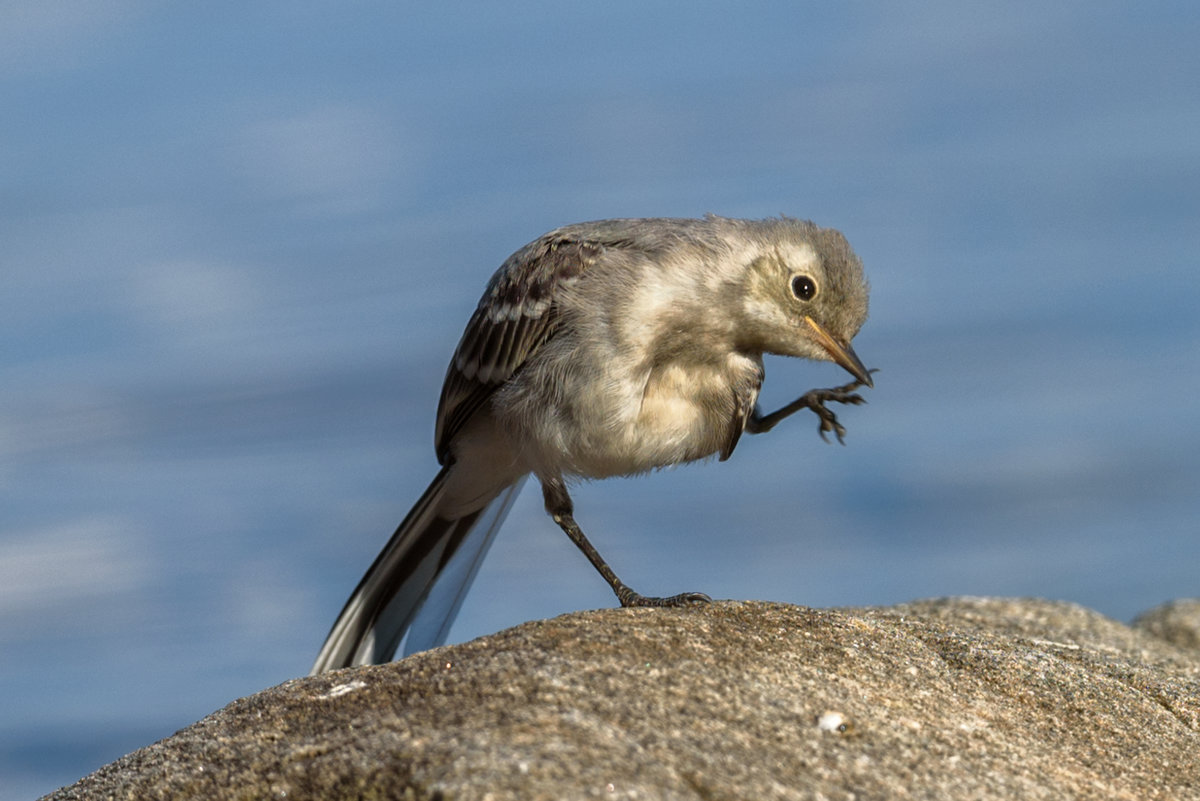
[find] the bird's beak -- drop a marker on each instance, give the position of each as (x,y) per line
(841,353)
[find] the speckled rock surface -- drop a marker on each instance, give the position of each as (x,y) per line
(1177,622)
(953,699)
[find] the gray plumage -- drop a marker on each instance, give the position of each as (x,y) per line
(601,349)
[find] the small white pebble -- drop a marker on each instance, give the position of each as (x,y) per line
(342,689)
(831,721)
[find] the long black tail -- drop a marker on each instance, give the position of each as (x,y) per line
(416,584)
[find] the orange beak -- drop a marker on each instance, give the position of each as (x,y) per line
(841,353)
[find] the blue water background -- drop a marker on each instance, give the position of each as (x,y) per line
(238,244)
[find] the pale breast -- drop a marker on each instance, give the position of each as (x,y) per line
(683,413)
(668,415)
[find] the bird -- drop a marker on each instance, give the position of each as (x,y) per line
(605,348)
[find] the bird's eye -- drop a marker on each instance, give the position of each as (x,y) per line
(804,287)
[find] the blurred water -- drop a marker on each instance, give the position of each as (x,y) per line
(238,245)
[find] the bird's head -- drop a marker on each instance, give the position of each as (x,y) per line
(805,295)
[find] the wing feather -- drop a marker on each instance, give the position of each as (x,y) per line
(516,315)
(745,396)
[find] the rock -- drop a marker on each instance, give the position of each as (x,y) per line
(1177,622)
(952,699)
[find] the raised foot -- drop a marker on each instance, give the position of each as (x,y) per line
(816,400)
(628,597)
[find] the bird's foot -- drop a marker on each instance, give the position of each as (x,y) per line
(628,597)
(817,398)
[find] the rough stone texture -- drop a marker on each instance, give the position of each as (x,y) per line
(953,699)
(1176,622)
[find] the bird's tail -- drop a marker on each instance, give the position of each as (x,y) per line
(416,584)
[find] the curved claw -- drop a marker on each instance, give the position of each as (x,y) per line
(829,422)
(817,398)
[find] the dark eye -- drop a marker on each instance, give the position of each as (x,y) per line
(804,287)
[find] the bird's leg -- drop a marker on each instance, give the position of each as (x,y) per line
(561,509)
(815,399)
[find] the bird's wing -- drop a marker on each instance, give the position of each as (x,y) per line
(517,314)
(745,396)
